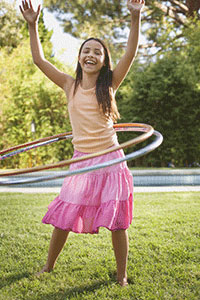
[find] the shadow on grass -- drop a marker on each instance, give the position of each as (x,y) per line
(65,294)
(12,278)
(75,291)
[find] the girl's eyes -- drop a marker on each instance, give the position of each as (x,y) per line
(96,53)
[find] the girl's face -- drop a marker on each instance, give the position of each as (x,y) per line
(92,57)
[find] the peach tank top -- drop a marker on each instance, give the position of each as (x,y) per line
(91,130)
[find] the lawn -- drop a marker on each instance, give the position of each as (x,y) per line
(164,255)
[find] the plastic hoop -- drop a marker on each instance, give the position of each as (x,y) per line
(118,127)
(156,143)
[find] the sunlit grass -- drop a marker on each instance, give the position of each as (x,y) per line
(163,257)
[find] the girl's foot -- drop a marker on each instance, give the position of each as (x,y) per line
(123,282)
(45,269)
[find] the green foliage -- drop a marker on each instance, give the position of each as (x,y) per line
(10,26)
(163,31)
(164,21)
(166,95)
(83,18)
(164,92)
(26,96)
(192,48)
(163,258)
(103,19)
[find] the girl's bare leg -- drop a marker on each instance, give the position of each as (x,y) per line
(121,245)
(57,242)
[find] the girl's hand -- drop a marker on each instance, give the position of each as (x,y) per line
(28,12)
(135,6)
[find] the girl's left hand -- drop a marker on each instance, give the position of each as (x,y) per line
(135,6)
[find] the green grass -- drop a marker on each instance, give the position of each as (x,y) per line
(163,256)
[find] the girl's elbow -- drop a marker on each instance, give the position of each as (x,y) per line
(37,62)
(131,57)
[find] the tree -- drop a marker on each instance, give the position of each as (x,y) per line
(94,18)
(166,95)
(164,21)
(10,26)
(26,95)
(167,23)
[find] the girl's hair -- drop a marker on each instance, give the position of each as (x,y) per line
(104,92)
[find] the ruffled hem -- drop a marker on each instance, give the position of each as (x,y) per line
(88,219)
(101,198)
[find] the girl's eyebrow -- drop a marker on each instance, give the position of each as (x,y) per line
(88,48)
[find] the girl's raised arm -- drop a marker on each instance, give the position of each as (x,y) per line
(123,66)
(61,79)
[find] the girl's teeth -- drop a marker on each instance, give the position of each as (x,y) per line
(90,62)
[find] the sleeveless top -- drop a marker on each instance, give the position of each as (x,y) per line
(92,131)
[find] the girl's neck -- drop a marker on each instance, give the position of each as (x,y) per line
(89,81)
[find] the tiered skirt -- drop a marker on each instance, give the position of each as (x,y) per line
(101,198)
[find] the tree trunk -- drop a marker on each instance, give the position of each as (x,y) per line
(193,6)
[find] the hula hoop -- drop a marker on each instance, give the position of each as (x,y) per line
(58,136)
(156,143)
(120,127)
(33,146)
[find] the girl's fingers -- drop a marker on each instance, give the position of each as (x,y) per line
(24,4)
(136,4)
(21,9)
(38,10)
(136,1)
(30,4)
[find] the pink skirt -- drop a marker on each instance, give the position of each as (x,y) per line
(101,198)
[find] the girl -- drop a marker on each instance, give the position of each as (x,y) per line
(102,198)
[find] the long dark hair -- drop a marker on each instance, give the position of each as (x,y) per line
(104,91)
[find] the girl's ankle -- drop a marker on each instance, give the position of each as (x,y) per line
(48,269)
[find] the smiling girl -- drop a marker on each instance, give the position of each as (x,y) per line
(102,198)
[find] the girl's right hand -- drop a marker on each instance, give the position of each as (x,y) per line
(28,12)
(135,6)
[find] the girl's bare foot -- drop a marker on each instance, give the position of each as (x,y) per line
(45,269)
(123,282)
